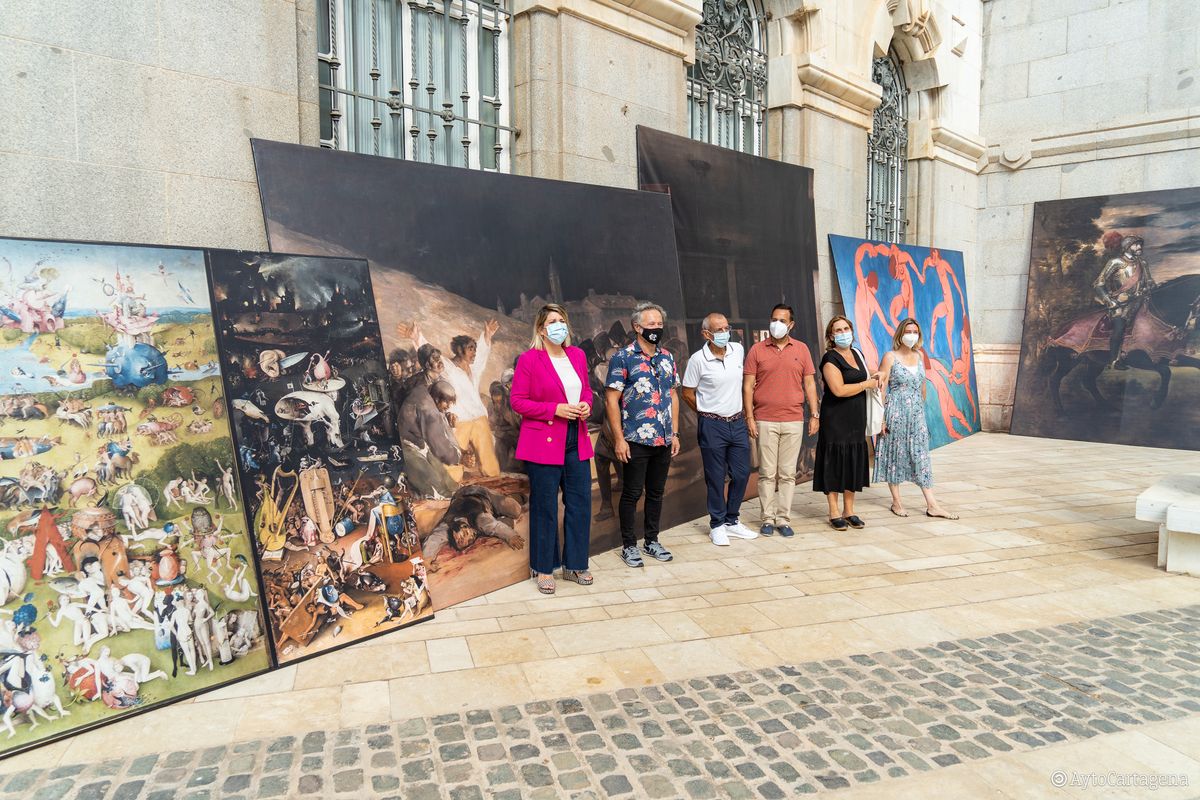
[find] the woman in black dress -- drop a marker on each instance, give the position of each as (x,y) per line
(842,459)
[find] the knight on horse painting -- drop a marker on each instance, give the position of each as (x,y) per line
(1122,287)
(1143,325)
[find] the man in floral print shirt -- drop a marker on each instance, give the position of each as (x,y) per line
(642,403)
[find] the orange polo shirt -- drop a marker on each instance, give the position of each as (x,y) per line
(779,379)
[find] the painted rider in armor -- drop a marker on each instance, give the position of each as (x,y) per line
(1122,288)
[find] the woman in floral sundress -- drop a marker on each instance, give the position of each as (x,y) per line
(902,453)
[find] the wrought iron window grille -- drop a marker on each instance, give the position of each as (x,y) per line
(887,155)
(425,80)
(727,86)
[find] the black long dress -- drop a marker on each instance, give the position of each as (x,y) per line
(842,458)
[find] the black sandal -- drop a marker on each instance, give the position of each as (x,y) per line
(855,522)
(838,524)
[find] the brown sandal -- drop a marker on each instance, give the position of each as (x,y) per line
(582,577)
(545,583)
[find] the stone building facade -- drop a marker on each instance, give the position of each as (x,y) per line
(134,124)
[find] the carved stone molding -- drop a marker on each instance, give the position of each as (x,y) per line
(1171,130)
(668,25)
(836,93)
(915,18)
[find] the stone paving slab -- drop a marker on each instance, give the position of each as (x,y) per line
(771,733)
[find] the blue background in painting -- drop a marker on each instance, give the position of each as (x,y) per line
(926,296)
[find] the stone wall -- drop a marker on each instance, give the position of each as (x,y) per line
(1079,98)
(133,123)
(587,73)
(822,99)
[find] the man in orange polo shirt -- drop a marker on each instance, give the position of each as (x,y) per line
(777,379)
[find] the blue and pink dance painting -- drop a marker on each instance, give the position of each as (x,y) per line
(882,284)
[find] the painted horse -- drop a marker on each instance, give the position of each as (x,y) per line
(1156,341)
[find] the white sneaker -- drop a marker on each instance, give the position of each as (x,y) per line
(719,536)
(741,531)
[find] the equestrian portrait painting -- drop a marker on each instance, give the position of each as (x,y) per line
(1110,351)
(126,572)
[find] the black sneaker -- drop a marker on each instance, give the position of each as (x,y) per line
(786,531)
(767,529)
(631,556)
(656,550)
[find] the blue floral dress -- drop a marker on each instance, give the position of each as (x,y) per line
(902,454)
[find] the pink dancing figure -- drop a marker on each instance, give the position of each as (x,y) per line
(903,304)
(938,375)
(866,301)
(960,372)
(945,309)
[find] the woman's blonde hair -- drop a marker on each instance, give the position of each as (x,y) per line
(829,329)
(540,320)
(900,332)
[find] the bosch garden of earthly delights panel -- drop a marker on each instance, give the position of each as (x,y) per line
(319,461)
(126,572)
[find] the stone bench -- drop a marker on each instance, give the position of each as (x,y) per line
(1174,503)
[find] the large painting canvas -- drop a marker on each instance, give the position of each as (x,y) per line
(883,284)
(1110,351)
(461,261)
(126,571)
(320,463)
(745,233)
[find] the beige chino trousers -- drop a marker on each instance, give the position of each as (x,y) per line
(778,451)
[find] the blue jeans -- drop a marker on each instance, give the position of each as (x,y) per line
(574,478)
(725,448)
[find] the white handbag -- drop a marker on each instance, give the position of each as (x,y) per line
(874,405)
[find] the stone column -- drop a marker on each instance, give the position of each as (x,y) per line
(586,73)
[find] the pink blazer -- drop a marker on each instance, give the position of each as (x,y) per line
(536,393)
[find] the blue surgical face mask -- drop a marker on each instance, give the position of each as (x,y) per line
(843,339)
(557,332)
(721,338)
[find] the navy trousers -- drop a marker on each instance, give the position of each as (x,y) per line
(725,448)
(574,479)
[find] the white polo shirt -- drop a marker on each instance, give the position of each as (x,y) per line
(717,381)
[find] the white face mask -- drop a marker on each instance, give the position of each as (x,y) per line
(779,329)
(910,339)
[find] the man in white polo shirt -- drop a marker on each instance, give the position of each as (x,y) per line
(712,387)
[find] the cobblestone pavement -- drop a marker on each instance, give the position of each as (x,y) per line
(772,733)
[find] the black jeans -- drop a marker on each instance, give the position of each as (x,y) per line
(647,469)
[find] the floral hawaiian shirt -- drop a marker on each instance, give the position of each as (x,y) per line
(645,383)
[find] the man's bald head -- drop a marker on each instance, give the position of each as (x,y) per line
(715,322)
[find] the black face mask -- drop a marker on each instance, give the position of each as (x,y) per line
(652,335)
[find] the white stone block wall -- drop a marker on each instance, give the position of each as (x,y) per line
(1079,98)
(132,123)
(585,75)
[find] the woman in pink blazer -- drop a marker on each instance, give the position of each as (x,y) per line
(551,393)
